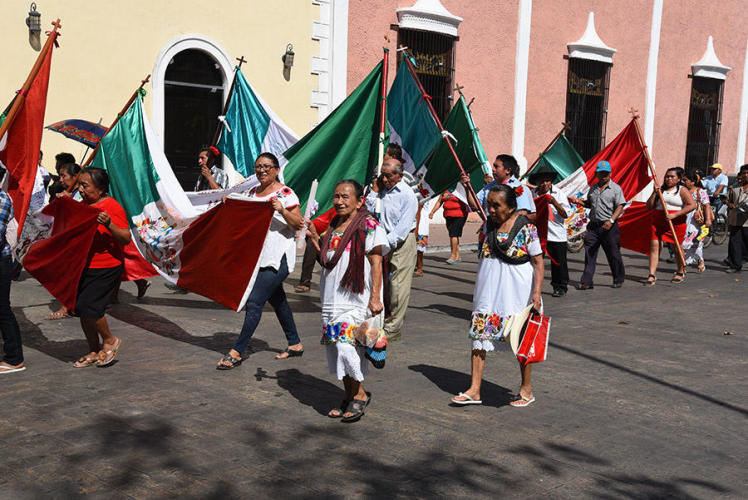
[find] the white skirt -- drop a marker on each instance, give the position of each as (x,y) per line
(345,359)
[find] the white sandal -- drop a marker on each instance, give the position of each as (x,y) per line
(467,401)
(522,401)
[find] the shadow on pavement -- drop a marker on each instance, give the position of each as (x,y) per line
(66,350)
(310,391)
(453,382)
(649,378)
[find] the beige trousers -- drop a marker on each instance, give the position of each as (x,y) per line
(402,263)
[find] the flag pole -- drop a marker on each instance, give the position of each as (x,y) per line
(119,115)
(427,99)
(219,128)
(21,95)
(383,105)
(678,249)
(566,127)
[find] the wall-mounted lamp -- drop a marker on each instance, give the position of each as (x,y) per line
(287,59)
(34,22)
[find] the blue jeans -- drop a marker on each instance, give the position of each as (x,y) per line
(8,324)
(268,287)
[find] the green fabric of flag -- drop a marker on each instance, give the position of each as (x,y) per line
(561,159)
(344,146)
(441,172)
(123,152)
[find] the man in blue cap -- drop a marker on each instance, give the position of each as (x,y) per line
(605,201)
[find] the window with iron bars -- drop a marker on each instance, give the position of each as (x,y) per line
(704,122)
(434,56)
(587,105)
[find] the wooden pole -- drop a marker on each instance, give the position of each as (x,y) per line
(427,98)
(119,115)
(678,249)
(383,105)
(566,127)
(21,97)
(217,134)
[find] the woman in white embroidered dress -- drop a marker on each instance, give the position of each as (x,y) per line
(276,262)
(698,222)
(510,277)
(350,290)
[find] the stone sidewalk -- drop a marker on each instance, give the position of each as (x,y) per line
(642,397)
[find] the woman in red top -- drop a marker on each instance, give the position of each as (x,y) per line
(455,213)
(104,268)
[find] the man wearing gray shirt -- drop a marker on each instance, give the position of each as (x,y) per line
(606,201)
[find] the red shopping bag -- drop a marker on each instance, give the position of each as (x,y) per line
(534,344)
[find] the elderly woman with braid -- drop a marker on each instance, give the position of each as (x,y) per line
(351,291)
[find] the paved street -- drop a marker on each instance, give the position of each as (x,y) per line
(642,397)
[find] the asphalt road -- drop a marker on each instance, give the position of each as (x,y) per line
(642,397)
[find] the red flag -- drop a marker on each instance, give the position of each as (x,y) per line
(58,261)
(635,225)
(323,221)
(136,267)
(542,214)
(629,168)
(20,153)
(211,264)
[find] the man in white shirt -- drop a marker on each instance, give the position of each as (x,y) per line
(398,208)
(559,209)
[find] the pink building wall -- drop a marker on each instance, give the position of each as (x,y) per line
(486,53)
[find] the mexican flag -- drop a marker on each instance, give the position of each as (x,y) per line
(628,164)
(410,121)
(214,253)
(21,137)
(250,127)
(440,172)
(560,159)
(344,146)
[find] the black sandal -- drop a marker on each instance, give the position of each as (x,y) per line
(291,353)
(356,407)
(652,282)
(228,358)
(341,408)
(678,278)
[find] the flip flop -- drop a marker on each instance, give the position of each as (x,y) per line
(467,401)
(8,369)
(57,315)
(522,401)
(301,289)
(85,362)
(111,352)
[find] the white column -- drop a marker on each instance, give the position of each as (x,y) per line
(520,82)
(654,53)
(743,122)
(339,53)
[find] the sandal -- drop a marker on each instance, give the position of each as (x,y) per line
(143,286)
(109,355)
(702,267)
(522,401)
(651,280)
(85,362)
(678,278)
(228,359)
(290,354)
(57,315)
(301,289)
(340,410)
(356,407)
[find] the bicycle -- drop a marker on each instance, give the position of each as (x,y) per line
(718,231)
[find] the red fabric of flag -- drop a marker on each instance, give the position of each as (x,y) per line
(322,222)
(136,267)
(58,261)
(24,138)
(222,248)
(542,214)
(635,225)
(629,168)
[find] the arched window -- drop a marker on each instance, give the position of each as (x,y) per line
(193,98)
